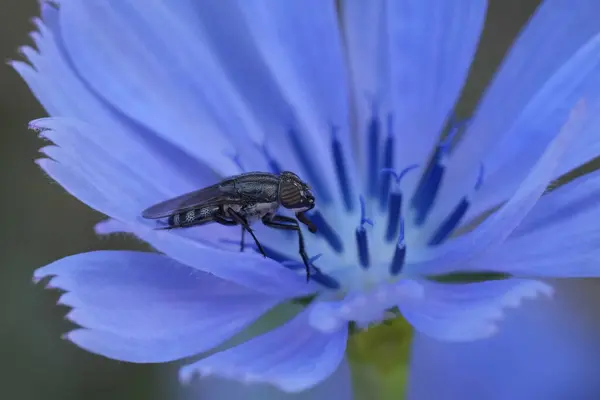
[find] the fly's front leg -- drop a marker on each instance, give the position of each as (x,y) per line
(289,224)
(239,219)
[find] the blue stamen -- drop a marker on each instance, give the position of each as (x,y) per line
(273,164)
(455,126)
(394,216)
(314,177)
(294,265)
(361,236)
(428,187)
(456,216)
(340,168)
(450,223)
(395,202)
(399,253)
(363,218)
(388,163)
(480,177)
(373,152)
(315,273)
(363,247)
(326,231)
(324,279)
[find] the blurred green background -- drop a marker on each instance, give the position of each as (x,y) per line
(41,222)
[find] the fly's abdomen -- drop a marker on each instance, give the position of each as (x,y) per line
(196,216)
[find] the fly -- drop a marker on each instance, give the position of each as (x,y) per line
(241,200)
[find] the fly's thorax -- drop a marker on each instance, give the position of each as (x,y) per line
(294,194)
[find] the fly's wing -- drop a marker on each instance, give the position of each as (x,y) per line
(251,187)
(214,195)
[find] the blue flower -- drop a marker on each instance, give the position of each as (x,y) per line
(149,101)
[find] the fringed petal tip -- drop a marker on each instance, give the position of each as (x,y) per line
(526,290)
(492,315)
(467,312)
(144,307)
(109,227)
(43,273)
(38,125)
(45,124)
(189,374)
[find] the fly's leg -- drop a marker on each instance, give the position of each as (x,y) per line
(289,224)
(224,221)
(242,239)
(239,219)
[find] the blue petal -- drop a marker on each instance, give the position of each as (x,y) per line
(156,83)
(293,357)
(62,93)
(396,49)
(144,307)
(462,252)
(198,56)
(300,43)
(337,386)
(465,312)
(247,269)
(117,188)
(554,63)
(559,238)
(546,349)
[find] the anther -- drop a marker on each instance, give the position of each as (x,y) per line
(395,202)
(363,219)
(450,223)
(394,216)
(399,253)
(479,181)
(324,279)
(326,231)
(427,190)
(340,168)
(361,237)
(453,220)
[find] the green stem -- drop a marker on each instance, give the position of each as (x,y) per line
(379,360)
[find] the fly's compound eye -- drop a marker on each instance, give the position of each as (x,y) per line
(291,195)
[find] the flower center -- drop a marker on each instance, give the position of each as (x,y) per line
(388,228)
(359,248)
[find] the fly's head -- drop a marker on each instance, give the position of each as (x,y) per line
(295,194)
